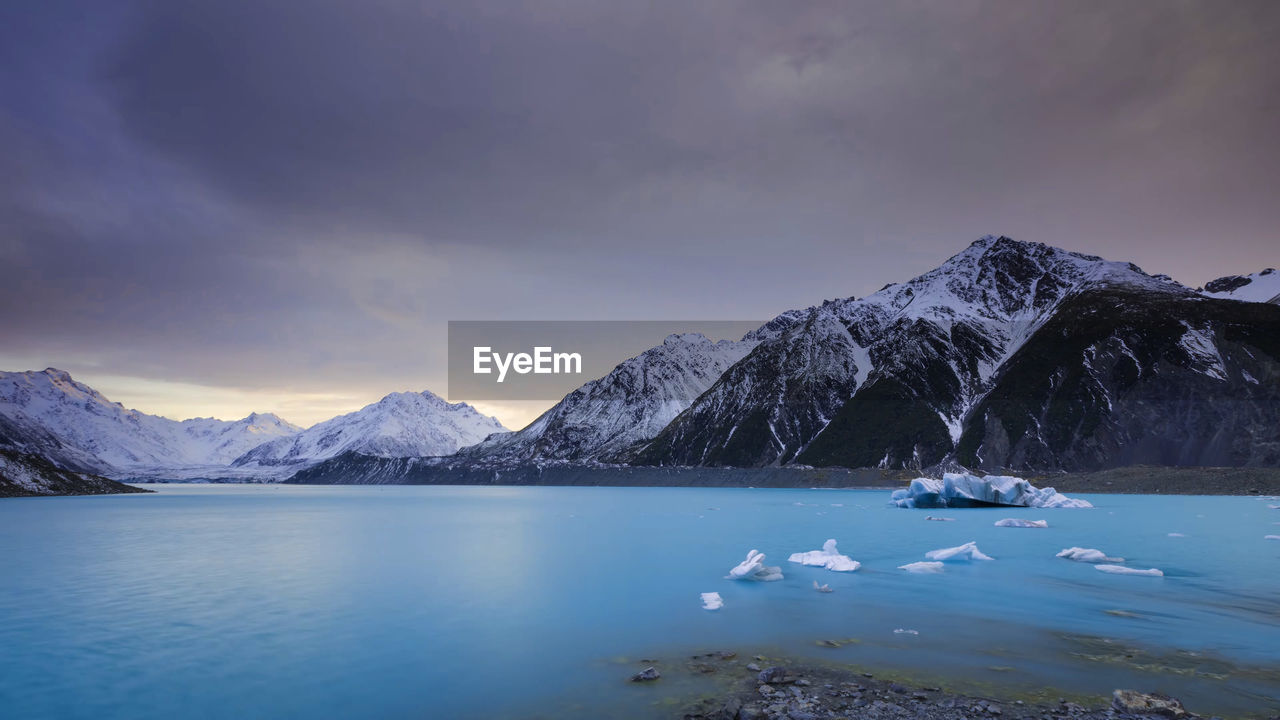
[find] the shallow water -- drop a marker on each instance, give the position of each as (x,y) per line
(417,602)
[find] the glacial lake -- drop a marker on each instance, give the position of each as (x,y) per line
(226,601)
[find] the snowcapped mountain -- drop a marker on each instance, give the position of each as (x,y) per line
(399,425)
(1262,287)
(888,379)
(604,419)
(52,415)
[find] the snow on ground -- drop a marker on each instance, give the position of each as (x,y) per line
(828,557)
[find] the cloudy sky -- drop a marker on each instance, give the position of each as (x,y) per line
(209,207)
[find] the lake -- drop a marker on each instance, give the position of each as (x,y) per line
(215,601)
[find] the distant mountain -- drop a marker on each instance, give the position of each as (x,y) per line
(1263,287)
(73,425)
(603,420)
(399,425)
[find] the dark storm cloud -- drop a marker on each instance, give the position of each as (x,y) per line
(274,193)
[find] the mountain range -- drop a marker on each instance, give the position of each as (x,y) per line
(1010,355)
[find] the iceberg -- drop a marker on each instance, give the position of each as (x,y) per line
(712,601)
(1088,555)
(1020,523)
(965,490)
(753,568)
(922,567)
(967,551)
(828,557)
(1122,570)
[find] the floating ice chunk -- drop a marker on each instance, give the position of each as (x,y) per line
(1176,535)
(712,601)
(753,568)
(939,519)
(904,631)
(1088,555)
(965,490)
(1020,523)
(821,588)
(1271,537)
(1122,570)
(828,557)
(922,567)
(1274,507)
(967,551)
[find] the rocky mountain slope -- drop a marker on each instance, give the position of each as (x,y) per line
(27,475)
(887,380)
(603,420)
(1260,287)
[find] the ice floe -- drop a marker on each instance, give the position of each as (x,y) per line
(939,519)
(922,567)
(905,631)
(753,568)
(1088,555)
(821,588)
(1122,570)
(1271,537)
(712,601)
(1176,535)
(828,557)
(967,551)
(1020,523)
(965,490)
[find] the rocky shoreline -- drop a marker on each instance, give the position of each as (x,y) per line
(760,688)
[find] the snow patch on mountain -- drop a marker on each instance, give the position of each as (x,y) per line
(401,424)
(1261,287)
(123,440)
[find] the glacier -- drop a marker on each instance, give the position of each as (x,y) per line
(753,568)
(828,557)
(966,490)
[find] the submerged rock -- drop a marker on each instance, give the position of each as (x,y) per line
(648,674)
(1132,702)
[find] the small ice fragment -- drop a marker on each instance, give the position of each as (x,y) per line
(712,601)
(828,557)
(1274,507)
(753,568)
(1176,535)
(922,567)
(1020,523)
(967,551)
(904,631)
(939,519)
(1088,555)
(1122,570)
(1272,537)
(821,588)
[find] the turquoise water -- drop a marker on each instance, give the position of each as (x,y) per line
(436,602)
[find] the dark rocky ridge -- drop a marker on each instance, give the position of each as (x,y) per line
(26,475)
